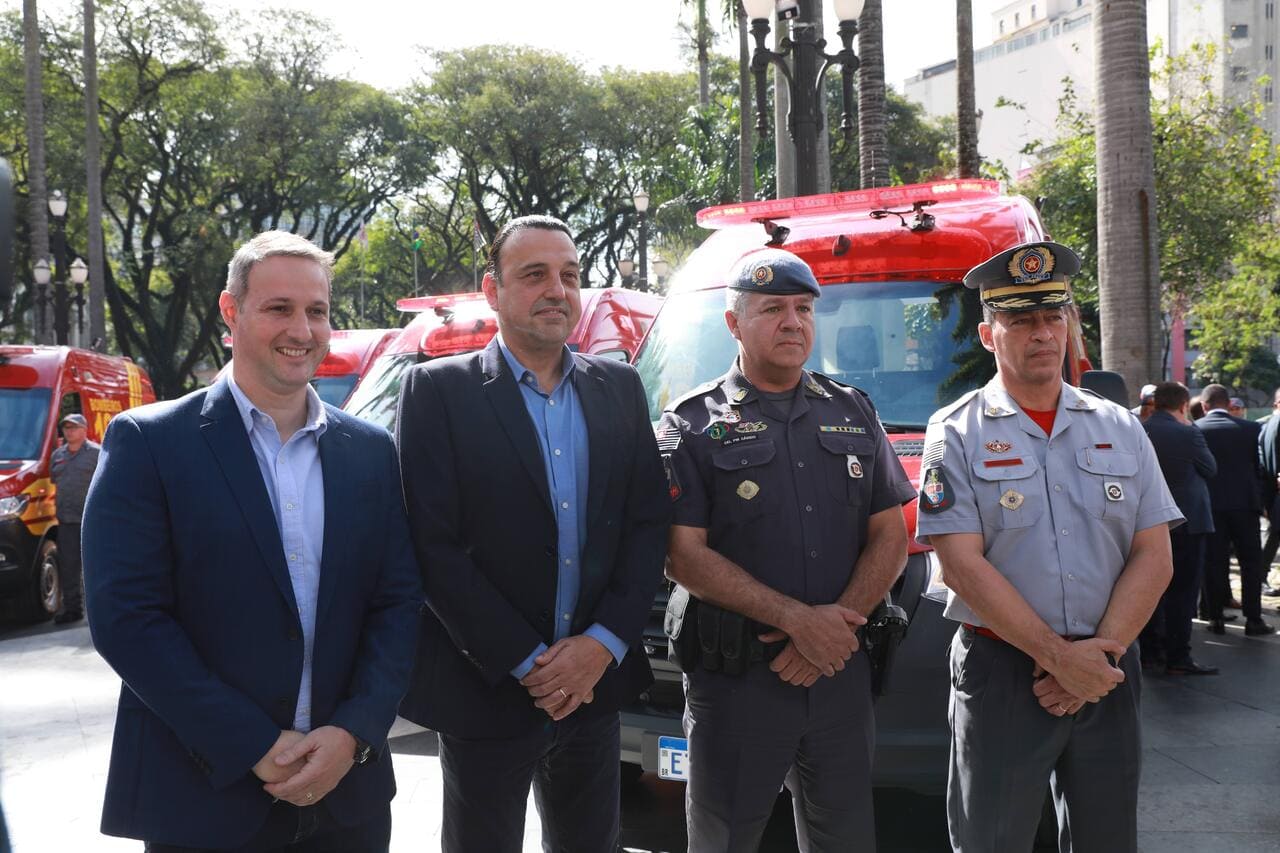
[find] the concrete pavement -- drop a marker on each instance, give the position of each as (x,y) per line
(1211,776)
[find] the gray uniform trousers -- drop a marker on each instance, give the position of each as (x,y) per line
(1004,747)
(749,734)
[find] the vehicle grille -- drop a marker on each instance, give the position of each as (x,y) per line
(909,447)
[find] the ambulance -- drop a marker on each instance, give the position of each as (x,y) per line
(39,386)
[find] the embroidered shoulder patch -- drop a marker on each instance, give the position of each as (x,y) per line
(935,491)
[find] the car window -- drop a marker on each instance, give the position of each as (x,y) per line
(24,414)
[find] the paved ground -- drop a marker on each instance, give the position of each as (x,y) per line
(1211,778)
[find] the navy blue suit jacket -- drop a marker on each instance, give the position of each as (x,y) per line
(189,600)
(485,535)
(1187,465)
(1234,444)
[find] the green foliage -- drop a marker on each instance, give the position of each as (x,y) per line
(1239,317)
(1216,177)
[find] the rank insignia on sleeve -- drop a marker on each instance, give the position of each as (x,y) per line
(716,431)
(749,427)
(998,446)
(1011,499)
(935,491)
(748,490)
(855,467)
(1115,491)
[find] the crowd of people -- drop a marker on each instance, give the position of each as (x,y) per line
(1223,471)
(274,580)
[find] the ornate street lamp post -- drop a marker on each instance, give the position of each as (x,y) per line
(58,210)
(41,273)
(810,64)
(641,201)
(626,269)
(661,269)
(79,275)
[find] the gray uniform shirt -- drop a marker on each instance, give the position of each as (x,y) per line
(71,473)
(1057,514)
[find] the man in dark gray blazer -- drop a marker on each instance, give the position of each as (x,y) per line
(1235,492)
(1187,464)
(1269,456)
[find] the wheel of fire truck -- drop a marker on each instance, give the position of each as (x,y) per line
(44,594)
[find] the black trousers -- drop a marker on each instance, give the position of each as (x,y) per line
(69,574)
(1273,538)
(1168,631)
(1242,529)
(290,829)
(573,766)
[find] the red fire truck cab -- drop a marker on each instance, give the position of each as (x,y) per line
(38,387)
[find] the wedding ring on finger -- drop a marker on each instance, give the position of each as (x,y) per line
(562,693)
(311,796)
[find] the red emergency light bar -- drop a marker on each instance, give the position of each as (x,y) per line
(817,205)
(418,304)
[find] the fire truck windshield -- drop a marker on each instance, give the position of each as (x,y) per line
(913,346)
(23,414)
(377,395)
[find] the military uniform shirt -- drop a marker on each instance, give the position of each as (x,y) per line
(784,490)
(1057,514)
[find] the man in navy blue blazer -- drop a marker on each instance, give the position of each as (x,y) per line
(249,575)
(540,513)
(1187,465)
(1236,494)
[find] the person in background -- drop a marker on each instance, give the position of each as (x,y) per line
(71,470)
(1269,458)
(1187,464)
(1146,404)
(1236,408)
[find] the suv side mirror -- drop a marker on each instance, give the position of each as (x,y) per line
(1106,383)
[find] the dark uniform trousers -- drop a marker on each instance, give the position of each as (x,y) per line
(1167,635)
(1004,746)
(749,734)
(1243,530)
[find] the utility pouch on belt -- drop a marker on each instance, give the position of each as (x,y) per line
(709,636)
(733,642)
(881,636)
(681,627)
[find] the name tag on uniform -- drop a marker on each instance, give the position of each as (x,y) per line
(854,466)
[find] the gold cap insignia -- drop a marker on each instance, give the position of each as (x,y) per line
(1028,266)
(762,275)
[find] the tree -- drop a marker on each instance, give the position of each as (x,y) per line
(1128,239)
(873,145)
(746,129)
(969,164)
(37,193)
(97,332)
(1239,318)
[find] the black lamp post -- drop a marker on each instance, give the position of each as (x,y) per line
(641,201)
(42,274)
(626,269)
(61,322)
(79,275)
(804,82)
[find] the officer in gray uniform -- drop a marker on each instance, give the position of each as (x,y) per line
(1051,518)
(788,529)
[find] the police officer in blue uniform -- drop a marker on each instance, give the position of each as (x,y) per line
(1051,517)
(788,530)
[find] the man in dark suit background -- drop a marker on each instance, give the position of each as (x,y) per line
(249,575)
(539,514)
(1235,493)
(1187,464)
(1269,457)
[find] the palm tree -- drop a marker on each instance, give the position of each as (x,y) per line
(746,131)
(968,162)
(873,143)
(702,40)
(37,192)
(1128,254)
(93,182)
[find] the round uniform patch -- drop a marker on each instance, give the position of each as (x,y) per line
(762,275)
(1115,492)
(748,490)
(717,431)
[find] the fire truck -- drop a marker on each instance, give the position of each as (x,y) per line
(39,386)
(893,320)
(613,322)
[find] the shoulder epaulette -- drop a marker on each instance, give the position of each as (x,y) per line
(950,409)
(691,393)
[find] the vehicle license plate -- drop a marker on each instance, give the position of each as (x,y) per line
(673,758)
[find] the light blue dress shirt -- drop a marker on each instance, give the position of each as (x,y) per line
(561,428)
(295,483)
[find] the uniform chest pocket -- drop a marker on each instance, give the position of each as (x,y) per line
(1009,492)
(1108,482)
(744,485)
(847,464)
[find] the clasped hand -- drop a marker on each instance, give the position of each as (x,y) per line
(302,769)
(1083,675)
(820,640)
(564,676)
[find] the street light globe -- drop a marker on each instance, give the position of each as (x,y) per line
(849,10)
(626,267)
(41,271)
(79,271)
(758,9)
(661,267)
(641,200)
(58,204)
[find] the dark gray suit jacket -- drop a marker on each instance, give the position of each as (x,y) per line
(1234,445)
(1187,465)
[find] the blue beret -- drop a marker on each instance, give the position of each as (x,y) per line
(773,271)
(1025,278)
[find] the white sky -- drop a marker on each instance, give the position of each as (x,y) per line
(382,36)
